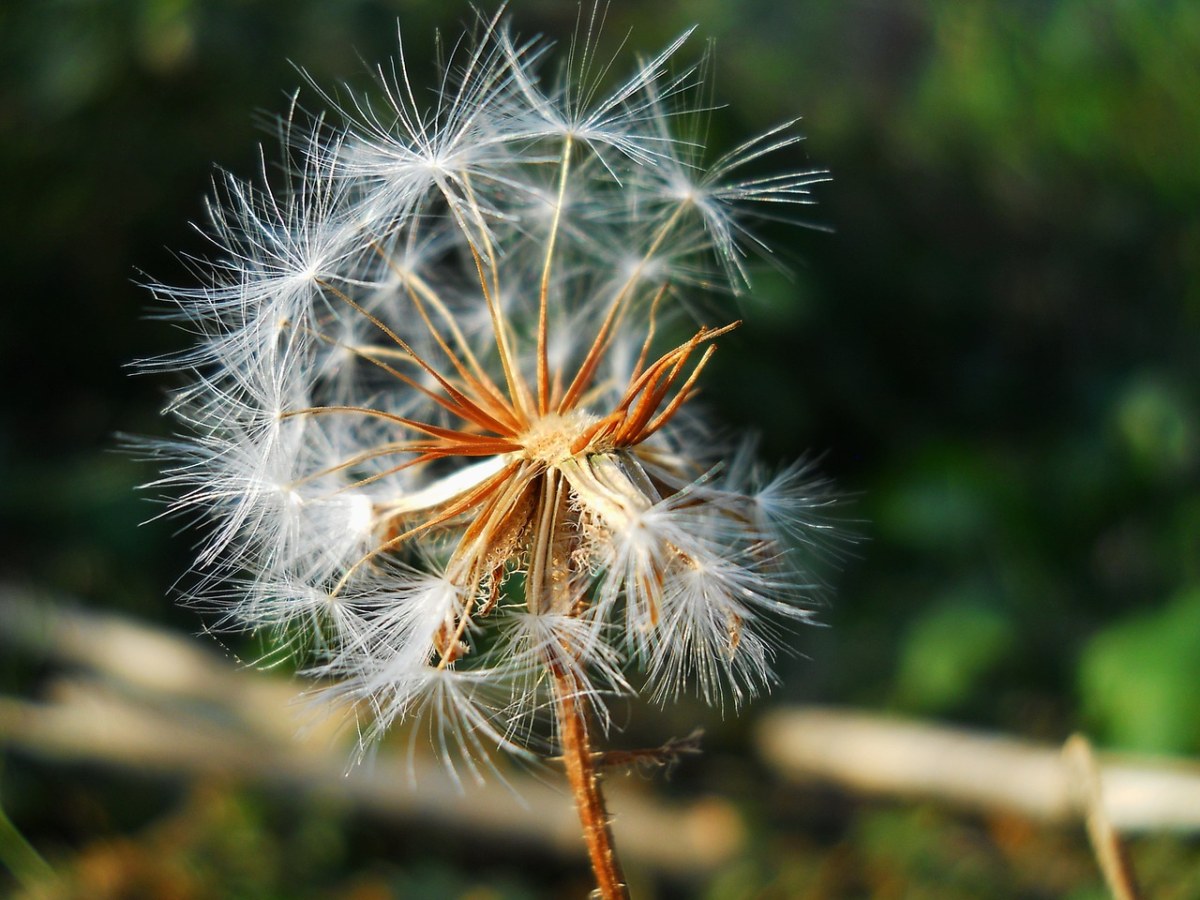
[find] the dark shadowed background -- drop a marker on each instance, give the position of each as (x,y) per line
(993,351)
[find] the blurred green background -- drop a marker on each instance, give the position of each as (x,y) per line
(994,353)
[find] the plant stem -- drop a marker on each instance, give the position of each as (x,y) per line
(580,764)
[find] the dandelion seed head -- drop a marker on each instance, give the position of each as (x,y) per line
(438,410)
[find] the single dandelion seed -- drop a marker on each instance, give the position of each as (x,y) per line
(439,434)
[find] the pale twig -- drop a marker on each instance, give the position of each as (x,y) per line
(883,755)
(1106,842)
(157,703)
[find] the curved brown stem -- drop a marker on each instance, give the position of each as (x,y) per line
(580,764)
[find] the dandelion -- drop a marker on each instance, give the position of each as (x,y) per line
(433,421)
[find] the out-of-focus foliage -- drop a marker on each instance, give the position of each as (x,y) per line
(1005,352)
(1138,678)
(996,351)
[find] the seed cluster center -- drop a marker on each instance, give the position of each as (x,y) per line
(549,439)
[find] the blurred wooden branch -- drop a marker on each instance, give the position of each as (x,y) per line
(1111,852)
(144,699)
(138,697)
(874,754)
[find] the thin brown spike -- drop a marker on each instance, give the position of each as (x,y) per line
(470,413)
(450,434)
(650,329)
(543,360)
(454,393)
(431,297)
(683,394)
(517,391)
(470,371)
(519,395)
